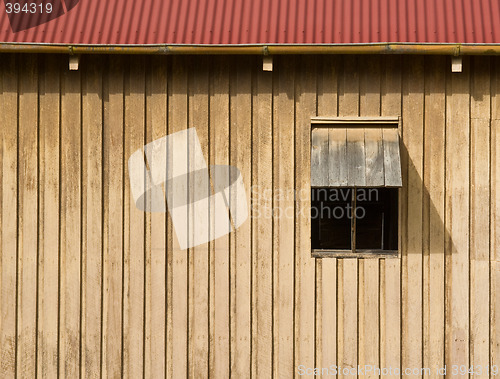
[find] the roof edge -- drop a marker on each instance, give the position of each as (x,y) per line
(258,49)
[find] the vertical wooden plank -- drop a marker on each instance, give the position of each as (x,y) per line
(113,218)
(434,173)
(92,218)
(356,160)
(390,269)
(326,269)
(368,307)
(156,266)
(178,120)
(158,235)
(347,332)
(374,156)
(170,242)
(134,352)
(480,212)
(70,259)
(199,258)
(457,217)
(262,164)
(48,260)
(338,160)
(219,259)
(241,239)
(305,281)
(495,213)
(319,157)
(413,103)
(28,210)
(392,157)
(9,214)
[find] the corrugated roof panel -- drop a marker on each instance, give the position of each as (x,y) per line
(255,22)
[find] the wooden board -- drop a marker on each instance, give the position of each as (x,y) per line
(457,217)
(413,126)
(320,159)
(241,239)
(178,120)
(134,255)
(480,212)
(9,216)
(199,255)
(326,269)
(70,257)
(368,303)
(390,269)
(92,231)
(262,221)
(495,213)
(27,223)
(347,311)
(113,218)
(48,258)
(305,96)
(433,227)
(356,160)
(219,253)
(93,287)
(392,158)
(337,165)
(374,157)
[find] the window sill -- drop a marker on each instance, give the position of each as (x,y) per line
(363,254)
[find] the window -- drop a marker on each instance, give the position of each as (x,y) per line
(355,176)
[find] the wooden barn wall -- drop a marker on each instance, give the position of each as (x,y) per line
(92,287)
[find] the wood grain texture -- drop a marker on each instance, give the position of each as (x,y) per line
(9,194)
(347,311)
(220,360)
(91,286)
(135,267)
(48,258)
(178,120)
(70,234)
(495,213)
(320,157)
(28,225)
(412,281)
(305,94)
(262,243)
(92,231)
(369,277)
(113,165)
(433,229)
(199,255)
(390,270)
(241,240)
(480,211)
(457,217)
(326,269)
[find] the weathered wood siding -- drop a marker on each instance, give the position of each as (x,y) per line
(93,287)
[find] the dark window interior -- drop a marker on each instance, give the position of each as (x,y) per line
(372,216)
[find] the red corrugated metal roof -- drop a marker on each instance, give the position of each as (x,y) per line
(255,22)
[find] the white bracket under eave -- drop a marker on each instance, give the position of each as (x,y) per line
(267,63)
(456,64)
(74,61)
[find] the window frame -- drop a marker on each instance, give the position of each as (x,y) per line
(352,122)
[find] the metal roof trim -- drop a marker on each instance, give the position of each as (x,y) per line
(259,49)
